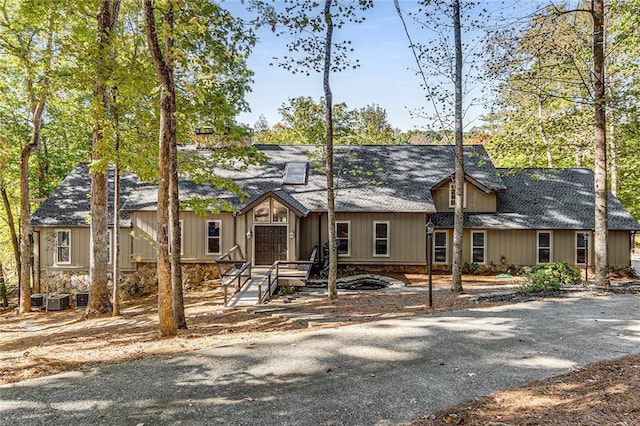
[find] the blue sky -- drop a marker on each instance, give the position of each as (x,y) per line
(386,75)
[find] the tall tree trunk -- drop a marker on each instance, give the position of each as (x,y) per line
(176,242)
(166,138)
(613,158)
(12,229)
(601,243)
(458,222)
(25,213)
(99,301)
(115,250)
(331,209)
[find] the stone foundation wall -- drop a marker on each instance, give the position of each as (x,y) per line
(140,282)
(63,281)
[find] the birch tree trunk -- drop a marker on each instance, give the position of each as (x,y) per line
(458,222)
(613,158)
(601,243)
(115,250)
(331,210)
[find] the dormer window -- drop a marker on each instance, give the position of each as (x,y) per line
(295,173)
(452,195)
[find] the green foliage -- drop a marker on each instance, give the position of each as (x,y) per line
(303,123)
(550,276)
(286,289)
(471,268)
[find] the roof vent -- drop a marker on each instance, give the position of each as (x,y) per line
(295,173)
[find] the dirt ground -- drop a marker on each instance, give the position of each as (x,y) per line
(42,343)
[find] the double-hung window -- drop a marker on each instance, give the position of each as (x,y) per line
(381,239)
(63,247)
(440,247)
(213,236)
(478,246)
(544,247)
(343,237)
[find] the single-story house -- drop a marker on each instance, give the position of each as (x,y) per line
(385,194)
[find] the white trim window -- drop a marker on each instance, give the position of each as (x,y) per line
(452,195)
(478,247)
(381,238)
(544,247)
(62,255)
(343,237)
(440,247)
(214,236)
(582,247)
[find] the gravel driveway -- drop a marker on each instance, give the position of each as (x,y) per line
(381,373)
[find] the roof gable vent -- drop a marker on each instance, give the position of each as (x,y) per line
(295,173)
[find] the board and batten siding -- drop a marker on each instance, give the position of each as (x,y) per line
(477,201)
(519,246)
(620,248)
(194,240)
(407,237)
(310,234)
(80,249)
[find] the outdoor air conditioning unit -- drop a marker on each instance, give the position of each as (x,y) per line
(58,302)
(37,300)
(82,299)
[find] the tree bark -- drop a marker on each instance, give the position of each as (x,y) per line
(99,301)
(176,242)
(601,235)
(166,138)
(115,250)
(613,158)
(25,213)
(12,229)
(458,222)
(331,210)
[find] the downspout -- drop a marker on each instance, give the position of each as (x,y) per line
(320,238)
(247,240)
(235,229)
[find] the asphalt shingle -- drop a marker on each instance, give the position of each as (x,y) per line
(377,178)
(546,199)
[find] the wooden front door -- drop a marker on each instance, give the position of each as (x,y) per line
(270,244)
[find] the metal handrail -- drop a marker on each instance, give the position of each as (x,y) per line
(263,296)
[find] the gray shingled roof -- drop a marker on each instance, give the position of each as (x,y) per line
(368,178)
(69,204)
(373,178)
(545,199)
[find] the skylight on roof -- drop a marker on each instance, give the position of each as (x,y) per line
(295,173)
